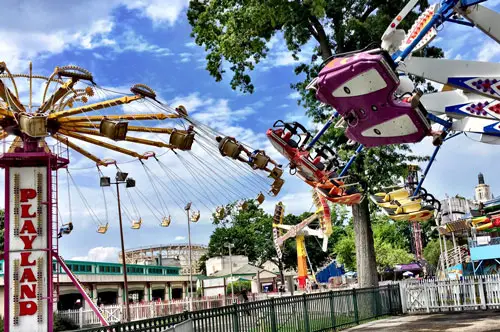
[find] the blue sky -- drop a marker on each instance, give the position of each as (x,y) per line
(127,42)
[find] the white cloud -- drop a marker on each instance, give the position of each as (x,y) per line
(294,95)
(159,11)
(100,254)
(180,238)
(44,30)
(489,51)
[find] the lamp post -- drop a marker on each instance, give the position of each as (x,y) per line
(120,178)
(230,245)
(187,208)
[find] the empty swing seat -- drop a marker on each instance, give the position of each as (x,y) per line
(136,224)
(261,198)
(195,217)
(276,187)
(244,206)
(361,88)
(165,221)
(276,173)
(220,212)
(102,228)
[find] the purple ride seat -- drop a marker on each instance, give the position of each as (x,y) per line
(361,88)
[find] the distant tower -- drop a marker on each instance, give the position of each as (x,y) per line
(483,192)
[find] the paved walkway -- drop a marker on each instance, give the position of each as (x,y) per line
(476,321)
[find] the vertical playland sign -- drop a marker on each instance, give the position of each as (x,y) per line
(27,250)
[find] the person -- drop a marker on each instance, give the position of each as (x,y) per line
(244,295)
(65,229)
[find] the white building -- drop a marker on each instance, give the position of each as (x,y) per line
(223,263)
(455,208)
(482,190)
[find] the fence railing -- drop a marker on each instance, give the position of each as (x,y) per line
(117,313)
(468,293)
(307,312)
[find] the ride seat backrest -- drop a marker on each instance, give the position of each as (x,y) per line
(181,140)
(276,173)
(276,186)
(261,160)
(231,149)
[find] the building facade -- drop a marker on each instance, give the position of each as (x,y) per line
(104,283)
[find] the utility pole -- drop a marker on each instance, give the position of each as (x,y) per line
(187,208)
(105,181)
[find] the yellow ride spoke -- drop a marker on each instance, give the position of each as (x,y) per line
(95,106)
(102,144)
(146,116)
(65,140)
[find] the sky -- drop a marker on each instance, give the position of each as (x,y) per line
(148,41)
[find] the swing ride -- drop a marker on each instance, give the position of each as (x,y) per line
(300,231)
(44,134)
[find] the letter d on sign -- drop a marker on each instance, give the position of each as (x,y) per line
(27,308)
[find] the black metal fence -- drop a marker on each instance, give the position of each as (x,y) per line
(309,312)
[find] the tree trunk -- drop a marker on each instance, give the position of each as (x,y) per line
(365,249)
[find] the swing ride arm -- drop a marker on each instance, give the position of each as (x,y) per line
(95,118)
(129,139)
(102,144)
(95,106)
(155,130)
(77,148)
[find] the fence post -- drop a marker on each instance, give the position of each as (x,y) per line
(355,303)
(391,287)
(306,314)
(273,315)
(80,317)
(236,322)
(332,310)
(481,293)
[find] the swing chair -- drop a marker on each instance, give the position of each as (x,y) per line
(276,187)
(136,224)
(181,139)
(165,221)
(259,159)
(101,226)
(102,229)
(260,198)
(220,212)
(195,216)
(276,173)
(243,206)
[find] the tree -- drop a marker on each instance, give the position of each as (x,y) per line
(433,250)
(390,244)
(238,31)
(251,233)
